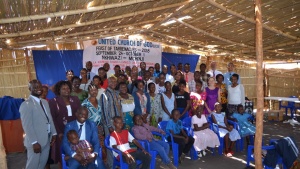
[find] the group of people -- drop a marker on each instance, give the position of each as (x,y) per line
(127,105)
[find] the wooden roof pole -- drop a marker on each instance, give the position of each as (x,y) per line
(259,86)
(71,12)
(231,12)
(88,32)
(183,7)
(27,65)
(59,28)
(212,35)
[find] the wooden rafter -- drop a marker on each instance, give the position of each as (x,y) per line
(89,32)
(212,35)
(178,10)
(90,22)
(71,12)
(231,12)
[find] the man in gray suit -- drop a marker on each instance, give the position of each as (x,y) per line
(38,126)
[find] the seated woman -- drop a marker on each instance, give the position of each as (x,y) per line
(175,128)
(204,137)
(225,130)
(246,127)
(142,131)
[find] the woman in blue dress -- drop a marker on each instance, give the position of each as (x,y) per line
(246,127)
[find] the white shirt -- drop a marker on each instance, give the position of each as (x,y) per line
(121,147)
(169,78)
(211,72)
(82,136)
(236,95)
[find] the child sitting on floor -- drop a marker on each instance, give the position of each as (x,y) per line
(143,131)
(119,139)
(204,137)
(246,127)
(81,147)
(175,128)
(225,130)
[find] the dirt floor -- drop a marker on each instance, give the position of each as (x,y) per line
(272,130)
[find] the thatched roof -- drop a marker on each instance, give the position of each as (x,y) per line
(221,27)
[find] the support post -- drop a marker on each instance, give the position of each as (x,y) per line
(259,86)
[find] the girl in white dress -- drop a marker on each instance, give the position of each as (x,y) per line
(225,130)
(204,137)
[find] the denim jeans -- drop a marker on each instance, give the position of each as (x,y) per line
(162,148)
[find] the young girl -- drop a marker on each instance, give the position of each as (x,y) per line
(175,128)
(225,130)
(160,87)
(246,128)
(168,102)
(204,137)
(183,101)
(197,98)
(143,131)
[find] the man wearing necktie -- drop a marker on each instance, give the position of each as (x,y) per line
(38,126)
(189,76)
(227,75)
(87,130)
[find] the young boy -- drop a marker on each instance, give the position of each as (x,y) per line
(81,147)
(119,139)
(175,128)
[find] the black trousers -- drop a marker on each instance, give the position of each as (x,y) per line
(139,155)
(182,146)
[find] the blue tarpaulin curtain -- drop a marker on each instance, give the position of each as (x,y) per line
(51,66)
(9,108)
(173,58)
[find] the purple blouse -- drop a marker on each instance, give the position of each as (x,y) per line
(144,132)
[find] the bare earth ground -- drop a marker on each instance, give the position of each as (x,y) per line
(272,130)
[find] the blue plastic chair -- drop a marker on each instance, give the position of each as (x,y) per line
(214,127)
(250,156)
(120,163)
(290,105)
(187,122)
(162,125)
(64,163)
(146,145)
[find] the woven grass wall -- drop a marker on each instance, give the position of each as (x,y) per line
(13,71)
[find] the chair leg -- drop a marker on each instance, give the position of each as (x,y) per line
(153,159)
(221,147)
(175,154)
(193,154)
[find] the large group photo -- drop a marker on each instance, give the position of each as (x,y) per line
(149,85)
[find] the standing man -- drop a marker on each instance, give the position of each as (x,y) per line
(188,76)
(227,75)
(213,72)
(179,66)
(110,107)
(143,69)
(147,80)
(86,130)
(157,70)
(192,84)
(38,126)
(89,67)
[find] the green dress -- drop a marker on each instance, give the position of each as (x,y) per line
(81,96)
